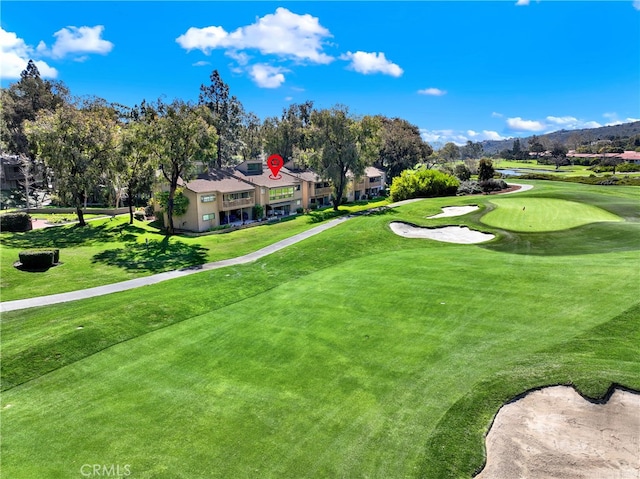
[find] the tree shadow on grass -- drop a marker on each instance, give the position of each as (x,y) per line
(73,235)
(154,256)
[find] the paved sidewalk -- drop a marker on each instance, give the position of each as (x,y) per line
(157,278)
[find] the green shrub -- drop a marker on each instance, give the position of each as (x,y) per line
(469,188)
(15,222)
(423,184)
(493,185)
(485,170)
(38,259)
(148,211)
(462,172)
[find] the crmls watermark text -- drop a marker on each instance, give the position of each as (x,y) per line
(105,470)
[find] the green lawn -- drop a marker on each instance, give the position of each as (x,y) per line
(543,214)
(110,250)
(356,353)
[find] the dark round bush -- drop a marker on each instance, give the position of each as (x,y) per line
(15,222)
(37,259)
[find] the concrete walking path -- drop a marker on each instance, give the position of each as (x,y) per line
(157,278)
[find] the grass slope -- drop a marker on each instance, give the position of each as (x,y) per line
(111,250)
(356,353)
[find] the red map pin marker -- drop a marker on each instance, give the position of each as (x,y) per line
(275,162)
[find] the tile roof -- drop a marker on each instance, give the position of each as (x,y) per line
(218,181)
(265,179)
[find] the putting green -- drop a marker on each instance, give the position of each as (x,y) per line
(543,214)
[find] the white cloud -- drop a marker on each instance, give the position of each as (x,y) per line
(554,123)
(14,56)
(571,123)
(492,135)
(636,4)
(77,40)
(267,76)
(614,119)
(519,124)
(371,62)
(522,3)
(201,64)
(283,33)
(438,138)
(495,114)
(288,98)
(432,92)
(241,57)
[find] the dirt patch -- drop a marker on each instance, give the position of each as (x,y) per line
(556,433)
(451,211)
(446,234)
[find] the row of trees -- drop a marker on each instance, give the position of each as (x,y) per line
(89,144)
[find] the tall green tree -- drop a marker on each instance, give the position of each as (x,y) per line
(250,137)
(343,144)
(288,133)
(137,163)
(450,152)
(77,143)
(471,150)
(181,138)
(22,101)
(559,154)
(402,146)
(536,146)
(226,117)
(485,170)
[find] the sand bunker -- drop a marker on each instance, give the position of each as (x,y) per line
(447,234)
(450,211)
(554,432)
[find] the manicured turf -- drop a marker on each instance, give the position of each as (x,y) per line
(111,250)
(543,214)
(355,353)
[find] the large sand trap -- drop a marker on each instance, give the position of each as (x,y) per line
(555,433)
(450,211)
(447,234)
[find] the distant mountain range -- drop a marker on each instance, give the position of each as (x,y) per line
(568,137)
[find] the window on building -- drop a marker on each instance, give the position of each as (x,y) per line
(208,217)
(280,193)
(254,167)
(297,187)
(207,198)
(374,179)
(237,196)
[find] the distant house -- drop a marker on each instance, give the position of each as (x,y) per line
(279,196)
(627,156)
(223,197)
(229,196)
(369,185)
(11,175)
(316,191)
(215,199)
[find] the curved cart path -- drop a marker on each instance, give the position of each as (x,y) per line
(157,278)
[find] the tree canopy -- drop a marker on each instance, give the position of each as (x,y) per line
(402,146)
(343,144)
(76,142)
(181,136)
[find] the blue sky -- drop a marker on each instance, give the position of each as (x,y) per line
(458,70)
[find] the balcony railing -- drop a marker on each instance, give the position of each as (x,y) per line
(237,203)
(323,191)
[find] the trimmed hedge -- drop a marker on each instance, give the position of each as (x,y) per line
(39,259)
(15,222)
